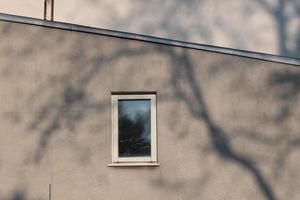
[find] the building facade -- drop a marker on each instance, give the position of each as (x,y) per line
(227,121)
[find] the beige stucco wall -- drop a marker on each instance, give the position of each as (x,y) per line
(228,126)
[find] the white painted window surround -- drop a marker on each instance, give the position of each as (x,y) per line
(117,160)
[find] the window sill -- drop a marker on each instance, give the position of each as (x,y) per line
(133,165)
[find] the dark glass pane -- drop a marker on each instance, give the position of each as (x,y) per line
(134,127)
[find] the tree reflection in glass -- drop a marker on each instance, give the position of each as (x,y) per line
(134,127)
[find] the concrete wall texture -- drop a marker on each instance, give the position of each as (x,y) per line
(228,126)
(269,26)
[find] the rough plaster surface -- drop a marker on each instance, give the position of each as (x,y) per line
(228,127)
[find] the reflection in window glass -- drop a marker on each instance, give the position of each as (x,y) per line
(134,127)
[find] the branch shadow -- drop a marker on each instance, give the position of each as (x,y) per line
(286,86)
(16,195)
(283,14)
(184,71)
(73,103)
(288,83)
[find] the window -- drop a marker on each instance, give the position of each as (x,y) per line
(134,129)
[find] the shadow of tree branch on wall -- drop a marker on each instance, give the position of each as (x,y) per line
(184,71)
(281,14)
(286,86)
(73,102)
(16,195)
(173,23)
(288,83)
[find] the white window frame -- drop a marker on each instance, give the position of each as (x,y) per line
(132,161)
